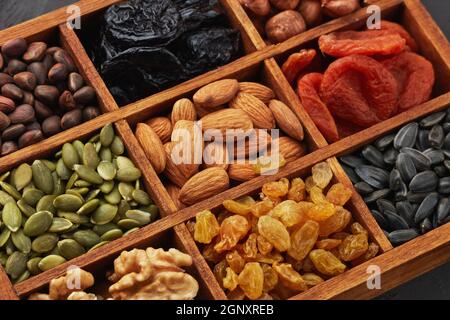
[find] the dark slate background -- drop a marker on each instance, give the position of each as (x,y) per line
(434,285)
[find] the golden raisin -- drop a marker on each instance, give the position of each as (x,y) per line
(321,174)
(232,230)
(356,228)
(235,261)
(289,277)
(251,280)
(308,265)
(296,264)
(335,223)
(236,294)
(353,247)
(275,232)
(230,281)
(210,254)
(339,194)
(312,279)
(223,215)
(250,247)
(326,263)
(220,271)
(372,252)
(328,244)
(264,246)
(340,235)
(297,190)
(276,189)
(270,278)
(262,208)
(309,184)
(317,195)
(269,258)
(206,227)
(321,212)
(266,165)
(289,212)
(303,240)
(241,206)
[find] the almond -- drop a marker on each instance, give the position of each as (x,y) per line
(217,93)
(263,93)
(183,109)
(179,174)
(290,149)
(257,142)
(152,146)
(227,119)
(257,110)
(189,135)
(241,172)
(204,185)
(174,192)
(287,120)
(162,126)
(215,155)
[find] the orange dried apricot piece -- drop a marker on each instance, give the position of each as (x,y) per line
(297,62)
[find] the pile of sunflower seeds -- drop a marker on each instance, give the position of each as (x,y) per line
(404,177)
(56,210)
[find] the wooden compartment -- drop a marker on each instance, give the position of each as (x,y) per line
(396,265)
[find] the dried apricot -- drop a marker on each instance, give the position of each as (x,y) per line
(262,208)
(369,43)
(206,227)
(251,280)
(308,88)
(346,129)
(275,232)
(360,90)
(290,278)
(297,62)
(230,281)
(326,263)
(235,261)
(339,194)
(270,278)
(396,28)
(321,174)
(335,223)
(297,190)
(232,230)
(264,246)
(321,212)
(353,247)
(303,240)
(415,78)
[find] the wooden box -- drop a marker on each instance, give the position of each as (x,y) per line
(397,265)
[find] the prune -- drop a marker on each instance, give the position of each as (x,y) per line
(296,63)
(308,91)
(369,43)
(360,90)
(415,78)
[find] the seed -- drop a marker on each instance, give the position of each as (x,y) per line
(402,193)
(426,225)
(11,216)
(46,204)
(60,225)
(117,147)
(126,190)
(401,236)
(16,264)
(443,210)
(68,202)
(352,161)
(101,229)
(70,155)
(105,213)
(87,238)
(106,154)
(10,190)
(38,223)
(32,265)
(113,197)
(376,177)
(63,57)
(436,156)
(73,217)
(15,47)
(406,167)
(141,197)
(441,171)
(32,196)
(374,196)
(50,262)
(375,157)
(395,180)
(13,132)
(381,220)
(432,119)
(21,241)
(426,207)
(88,174)
(42,177)
(92,194)
(90,156)
(421,161)
(5,198)
(395,221)
(128,174)
(406,211)
(425,181)
(112,235)
(436,137)
(385,205)
(363,188)
(85,96)
(406,136)
(107,135)
(44,243)
(124,162)
(106,170)
(384,142)
(70,249)
(128,224)
(130,231)
(75,82)
(22,176)
(4,237)
(139,215)
(444,185)
(98,245)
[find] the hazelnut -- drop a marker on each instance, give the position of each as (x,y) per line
(284,26)
(258,7)
(311,11)
(285,4)
(339,8)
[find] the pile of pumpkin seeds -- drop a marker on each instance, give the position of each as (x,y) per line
(56,210)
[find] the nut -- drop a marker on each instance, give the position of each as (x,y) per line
(183,109)
(188,146)
(42,111)
(311,11)
(59,288)
(58,73)
(13,132)
(178,174)
(215,155)
(75,82)
(51,126)
(285,4)
(23,114)
(7,105)
(204,185)
(40,72)
(15,47)
(174,192)
(28,98)
(5,78)
(287,120)
(227,119)
(241,172)
(152,146)
(35,52)
(66,101)
(26,80)
(258,7)
(12,91)
(4,121)
(290,149)
(71,119)
(85,95)
(162,126)
(216,94)
(260,114)
(263,93)
(339,8)
(90,113)
(8,147)
(63,57)
(284,26)
(15,66)
(47,94)
(29,138)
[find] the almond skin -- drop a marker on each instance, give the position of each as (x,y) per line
(204,185)
(217,153)
(227,119)
(258,141)
(263,93)
(260,114)
(217,93)
(174,192)
(241,172)
(290,149)
(177,174)
(195,144)
(183,109)
(152,146)
(287,120)
(162,126)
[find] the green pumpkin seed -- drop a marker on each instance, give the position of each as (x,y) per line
(89,207)
(4,237)
(32,196)
(128,224)
(5,198)
(22,176)
(79,146)
(3,258)
(141,216)
(98,245)
(124,206)
(88,174)
(92,194)
(73,217)
(98,147)
(38,223)
(94,138)
(76,193)
(107,187)
(126,191)
(107,135)
(130,231)
(80,191)
(106,154)
(5,176)
(68,202)
(60,225)
(106,170)
(105,213)
(117,146)
(141,197)
(71,181)
(10,247)
(21,241)
(23,277)
(44,243)
(50,262)
(58,185)
(153,210)
(112,235)
(12,217)
(16,264)
(87,238)
(90,156)
(113,197)
(10,190)
(25,208)
(101,229)
(32,266)
(124,162)
(128,174)
(70,155)
(50,165)
(62,170)
(42,177)
(70,249)
(46,204)
(82,184)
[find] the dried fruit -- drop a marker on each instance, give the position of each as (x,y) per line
(270,278)
(206,227)
(232,230)
(339,194)
(316,195)
(353,247)
(290,278)
(241,206)
(296,63)
(328,244)
(326,263)
(275,232)
(335,223)
(297,191)
(235,261)
(250,247)
(276,189)
(264,246)
(321,174)
(397,28)
(251,280)
(231,280)
(262,208)
(289,212)
(303,240)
